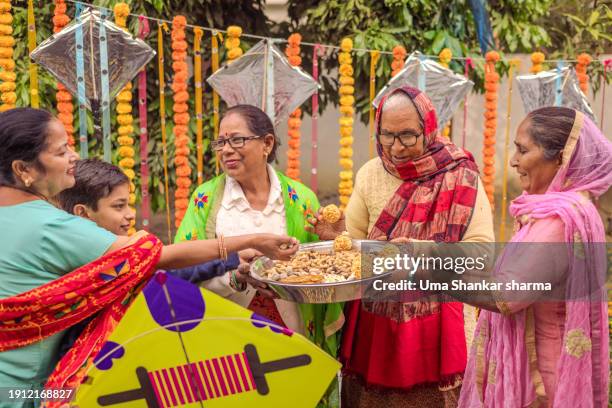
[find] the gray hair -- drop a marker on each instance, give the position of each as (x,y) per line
(550,127)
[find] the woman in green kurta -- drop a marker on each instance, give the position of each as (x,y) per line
(250,196)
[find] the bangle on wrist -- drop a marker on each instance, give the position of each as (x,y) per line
(222,249)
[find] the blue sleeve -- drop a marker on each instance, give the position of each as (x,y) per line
(207,270)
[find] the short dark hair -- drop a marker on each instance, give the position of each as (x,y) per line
(23,136)
(95,180)
(550,127)
(259,124)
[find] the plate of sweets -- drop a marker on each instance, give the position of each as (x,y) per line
(325,271)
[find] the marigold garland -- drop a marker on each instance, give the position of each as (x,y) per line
(491,86)
(295,119)
(65,107)
(537,58)
(347,102)
(399,56)
(232,43)
(181,118)
(445,57)
(125,120)
(33,68)
(584,60)
(8,97)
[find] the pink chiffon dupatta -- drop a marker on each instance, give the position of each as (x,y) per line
(502,370)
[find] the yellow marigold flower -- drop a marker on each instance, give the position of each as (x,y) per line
(344,200)
(445,57)
(127,163)
(125,130)
(124,108)
(584,59)
(6,29)
(346,69)
(9,98)
(348,100)
(346,152)
(6,52)
(132,200)
(345,58)
(347,110)
(346,175)
(129,173)
(7,86)
(121,10)
(537,58)
(346,141)
(5,6)
(347,90)
(234,53)
(346,131)
(126,151)
(124,120)
(492,56)
(6,18)
(346,45)
(8,76)
(346,164)
(231,42)
(347,80)
(346,121)
(7,63)
(125,141)
(5,107)
(7,41)
(124,96)
(234,31)
(346,183)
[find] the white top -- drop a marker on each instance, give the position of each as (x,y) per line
(236,217)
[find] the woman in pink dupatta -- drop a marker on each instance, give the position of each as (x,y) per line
(545,353)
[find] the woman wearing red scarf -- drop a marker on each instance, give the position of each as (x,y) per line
(421,187)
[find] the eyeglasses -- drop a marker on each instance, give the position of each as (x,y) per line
(234,141)
(406,138)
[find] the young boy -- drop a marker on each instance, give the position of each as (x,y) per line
(101,193)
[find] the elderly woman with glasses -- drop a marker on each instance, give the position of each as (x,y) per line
(421,187)
(250,196)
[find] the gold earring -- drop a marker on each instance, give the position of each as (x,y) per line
(28,182)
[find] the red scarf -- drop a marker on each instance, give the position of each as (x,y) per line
(435,202)
(106,287)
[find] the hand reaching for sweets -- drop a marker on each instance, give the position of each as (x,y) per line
(276,246)
(328,224)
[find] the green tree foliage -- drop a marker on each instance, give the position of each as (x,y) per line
(428,26)
(577,26)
